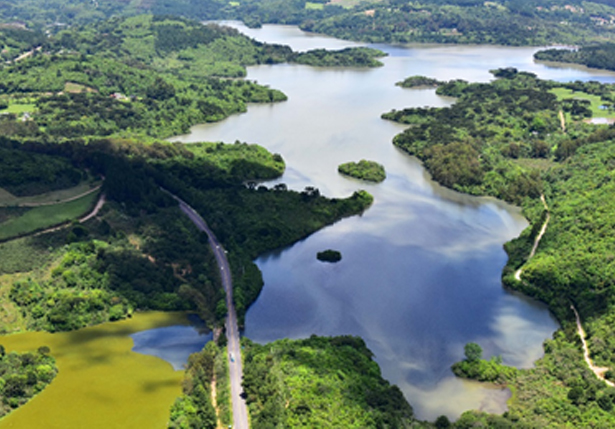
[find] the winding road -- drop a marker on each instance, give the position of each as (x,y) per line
(600,371)
(597,370)
(538,237)
(240,411)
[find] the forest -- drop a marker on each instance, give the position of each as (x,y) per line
(194,409)
(139,254)
(498,136)
(320,382)
(596,56)
(507,22)
(145,76)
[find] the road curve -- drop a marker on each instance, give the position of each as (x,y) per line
(240,411)
(597,370)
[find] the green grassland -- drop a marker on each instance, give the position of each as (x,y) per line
(17,108)
(9,200)
(314,6)
(46,216)
(596,101)
(107,385)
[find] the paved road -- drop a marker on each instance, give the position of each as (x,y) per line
(240,411)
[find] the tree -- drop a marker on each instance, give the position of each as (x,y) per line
(473,352)
(443,422)
(575,395)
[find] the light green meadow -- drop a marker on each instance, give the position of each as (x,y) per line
(595,100)
(9,200)
(47,216)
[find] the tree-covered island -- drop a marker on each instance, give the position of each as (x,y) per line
(369,171)
(329,255)
(419,82)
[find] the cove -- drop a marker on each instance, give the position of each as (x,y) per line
(420,274)
(174,344)
(101,383)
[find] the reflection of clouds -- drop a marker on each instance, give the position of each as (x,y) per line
(172,343)
(453,396)
(422,221)
(518,337)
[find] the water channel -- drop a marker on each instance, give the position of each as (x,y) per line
(420,274)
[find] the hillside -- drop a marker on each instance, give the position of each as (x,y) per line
(507,22)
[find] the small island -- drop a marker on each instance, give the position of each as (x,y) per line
(419,82)
(474,367)
(329,255)
(364,170)
(348,57)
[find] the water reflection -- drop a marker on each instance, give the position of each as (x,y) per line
(420,274)
(174,344)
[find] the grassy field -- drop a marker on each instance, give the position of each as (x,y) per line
(596,101)
(11,318)
(535,163)
(75,88)
(314,6)
(101,383)
(17,108)
(7,199)
(46,216)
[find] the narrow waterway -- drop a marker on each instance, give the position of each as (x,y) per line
(420,274)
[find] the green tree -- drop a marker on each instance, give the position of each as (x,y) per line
(443,422)
(473,352)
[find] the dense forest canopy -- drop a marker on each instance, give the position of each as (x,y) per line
(320,382)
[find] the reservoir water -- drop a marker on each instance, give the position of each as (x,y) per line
(420,274)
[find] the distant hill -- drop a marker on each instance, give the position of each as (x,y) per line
(505,22)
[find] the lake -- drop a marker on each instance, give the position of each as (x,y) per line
(420,274)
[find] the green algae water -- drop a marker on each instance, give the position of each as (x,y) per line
(101,383)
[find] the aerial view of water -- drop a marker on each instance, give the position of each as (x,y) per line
(420,274)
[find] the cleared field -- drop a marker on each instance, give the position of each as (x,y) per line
(101,383)
(76,88)
(20,108)
(7,199)
(535,164)
(47,216)
(314,6)
(596,101)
